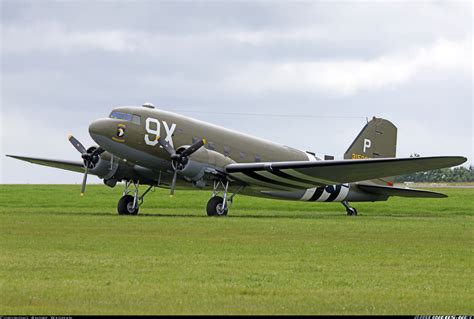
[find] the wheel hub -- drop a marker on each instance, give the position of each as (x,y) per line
(219,209)
(130,207)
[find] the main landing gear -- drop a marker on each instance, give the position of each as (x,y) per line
(130,204)
(351,211)
(217,205)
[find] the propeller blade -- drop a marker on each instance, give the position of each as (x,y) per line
(193,148)
(173,183)
(167,146)
(84,181)
(77,145)
(98,151)
(177,159)
(88,158)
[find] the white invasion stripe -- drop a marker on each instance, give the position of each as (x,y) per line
(342,195)
(308,194)
(325,195)
(310,178)
(284,180)
(311,157)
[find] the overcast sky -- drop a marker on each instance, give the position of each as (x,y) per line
(66,63)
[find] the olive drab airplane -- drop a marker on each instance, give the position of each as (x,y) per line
(148,146)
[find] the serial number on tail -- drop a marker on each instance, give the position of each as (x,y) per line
(359,156)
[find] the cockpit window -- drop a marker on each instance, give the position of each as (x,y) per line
(125,116)
(121,116)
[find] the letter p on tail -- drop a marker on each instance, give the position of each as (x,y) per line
(367,144)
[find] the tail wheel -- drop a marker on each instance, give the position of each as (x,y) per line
(215,207)
(125,206)
(351,211)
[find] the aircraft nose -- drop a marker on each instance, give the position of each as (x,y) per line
(94,128)
(99,128)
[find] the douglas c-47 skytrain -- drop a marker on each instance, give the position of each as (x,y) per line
(147,146)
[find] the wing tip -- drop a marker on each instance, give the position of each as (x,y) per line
(457,160)
(438,195)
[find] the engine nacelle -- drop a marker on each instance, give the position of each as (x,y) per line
(202,160)
(110,168)
(104,165)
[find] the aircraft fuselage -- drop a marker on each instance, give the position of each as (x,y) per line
(131,134)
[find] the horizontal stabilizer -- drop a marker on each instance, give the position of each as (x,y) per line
(398,191)
(74,166)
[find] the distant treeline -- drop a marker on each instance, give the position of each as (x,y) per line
(457,174)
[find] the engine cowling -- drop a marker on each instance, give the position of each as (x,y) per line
(202,160)
(109,168)
(103,165)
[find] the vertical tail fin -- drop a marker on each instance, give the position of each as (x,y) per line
(378,139)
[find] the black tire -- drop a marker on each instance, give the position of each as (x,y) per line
(214,207)
(125,204)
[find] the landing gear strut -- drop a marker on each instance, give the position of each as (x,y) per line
(128,204)
(217,205)
(351,211)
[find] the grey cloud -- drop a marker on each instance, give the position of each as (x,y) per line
(331,28)
(57,71)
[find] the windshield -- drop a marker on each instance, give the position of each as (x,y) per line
(125,116)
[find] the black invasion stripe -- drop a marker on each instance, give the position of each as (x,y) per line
(317,193)
(334,194)
(277,172)
(268,180)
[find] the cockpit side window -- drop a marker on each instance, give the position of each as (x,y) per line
(121,116)
(125,116)
(136,119)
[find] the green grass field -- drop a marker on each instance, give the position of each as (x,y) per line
(63,254)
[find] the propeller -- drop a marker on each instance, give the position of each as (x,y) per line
(179,160)
(90,157)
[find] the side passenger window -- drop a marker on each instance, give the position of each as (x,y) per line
(226,150)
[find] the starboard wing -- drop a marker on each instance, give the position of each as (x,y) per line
(305,174)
